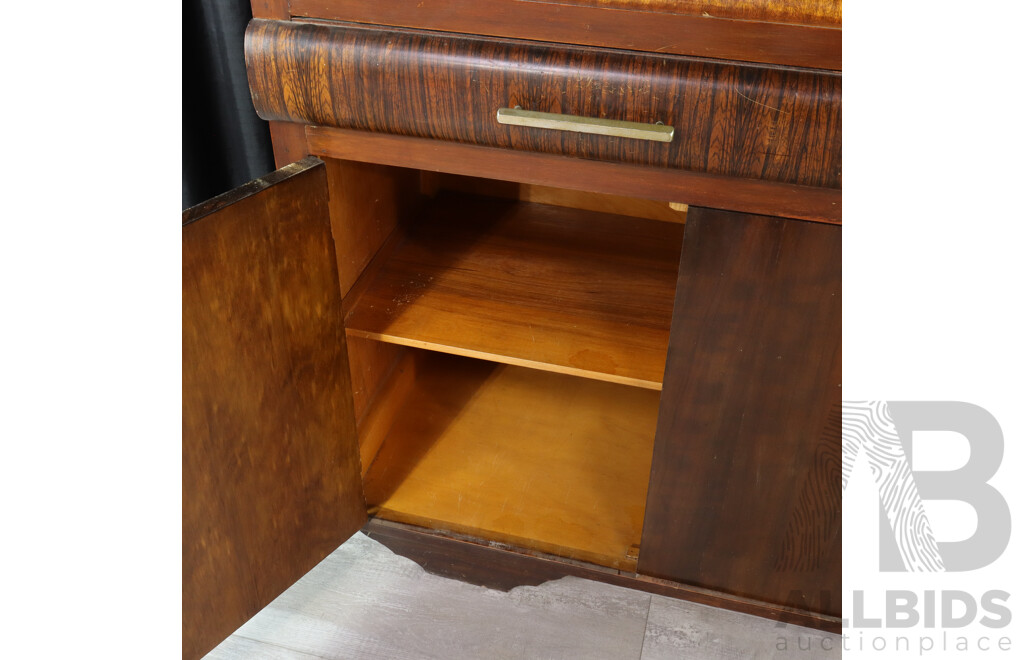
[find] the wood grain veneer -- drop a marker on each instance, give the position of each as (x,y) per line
(775,31)
(548,287)
(270,470)
(744,494)
(531,458)
(755,122)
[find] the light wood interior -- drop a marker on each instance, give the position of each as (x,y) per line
(432,182)
(539,460)
(507,343)
(554,288)
(367,202)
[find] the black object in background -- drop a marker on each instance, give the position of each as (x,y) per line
(223,142)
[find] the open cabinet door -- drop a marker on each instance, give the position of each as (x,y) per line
(270,464)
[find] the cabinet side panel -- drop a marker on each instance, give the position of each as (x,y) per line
(368,202)
(270,468)
(270,9)
(745,491)
(289,142)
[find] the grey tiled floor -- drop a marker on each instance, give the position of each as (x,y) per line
(363,601)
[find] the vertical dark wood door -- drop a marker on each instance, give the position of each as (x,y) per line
(270,466)
(745,493)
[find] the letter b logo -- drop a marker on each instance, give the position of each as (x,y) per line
(883,430)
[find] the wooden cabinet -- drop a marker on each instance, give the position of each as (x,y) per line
(518,345)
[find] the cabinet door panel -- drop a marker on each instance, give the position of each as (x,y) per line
(745,493)
(270,467)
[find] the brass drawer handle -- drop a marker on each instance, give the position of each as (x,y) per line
(628,129)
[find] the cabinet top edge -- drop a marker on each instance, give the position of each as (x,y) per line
(653,26)
(214,204)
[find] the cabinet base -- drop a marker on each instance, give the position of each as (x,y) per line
(501,567)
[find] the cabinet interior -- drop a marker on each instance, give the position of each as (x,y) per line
(507,344)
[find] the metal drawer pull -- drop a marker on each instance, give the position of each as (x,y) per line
(628,129)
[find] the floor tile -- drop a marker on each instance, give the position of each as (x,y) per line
(679,630)
(237,647)
(363,601)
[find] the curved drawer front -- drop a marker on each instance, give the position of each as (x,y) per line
(737,120)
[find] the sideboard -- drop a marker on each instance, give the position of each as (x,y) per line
(540,289)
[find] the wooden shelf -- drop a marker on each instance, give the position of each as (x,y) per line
(553,288)
(535,459)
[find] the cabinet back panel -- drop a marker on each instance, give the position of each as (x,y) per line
(538,460)
(577,199)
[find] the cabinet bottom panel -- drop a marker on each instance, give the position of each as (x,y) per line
(538,460)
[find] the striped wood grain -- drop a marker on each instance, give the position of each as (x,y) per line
(753,122)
